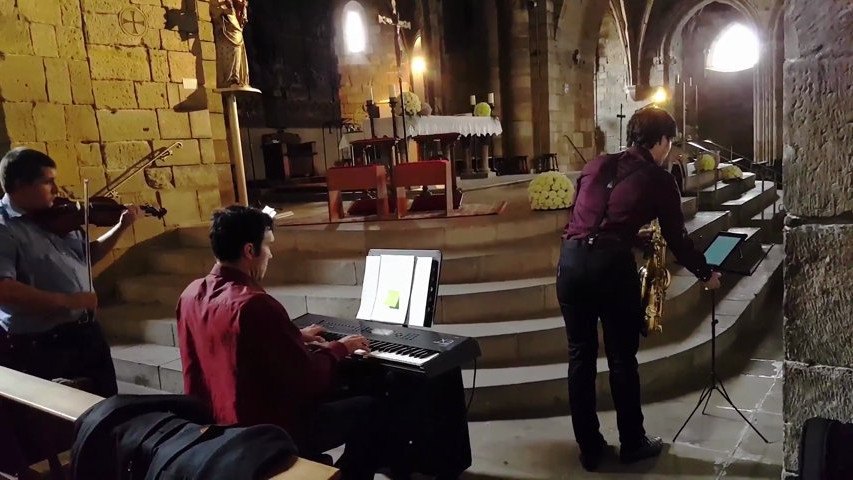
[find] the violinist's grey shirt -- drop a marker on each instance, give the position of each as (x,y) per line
(42,260)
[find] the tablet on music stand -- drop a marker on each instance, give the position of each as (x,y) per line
(722,248)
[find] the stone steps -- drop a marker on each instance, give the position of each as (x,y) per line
(750,203)
(497,301)
(531,297)
(543,340)
(723,191)
(528,341)
(146,319)
(540,390)
(444,234)
(771,220)
(536,390)
(464,265)
(468,265)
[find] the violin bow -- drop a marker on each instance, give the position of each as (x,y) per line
(86,241)
(109,190)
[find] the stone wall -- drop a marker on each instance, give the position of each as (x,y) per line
(99,85)
(611,79)
(818,78)
(572,87)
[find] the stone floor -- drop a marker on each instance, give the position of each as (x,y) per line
(717,445)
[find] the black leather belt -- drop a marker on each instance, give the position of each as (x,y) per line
(599,243)
(54,334)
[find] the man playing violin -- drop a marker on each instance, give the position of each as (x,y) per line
(47,326)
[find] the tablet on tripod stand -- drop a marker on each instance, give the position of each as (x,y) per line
(719,256)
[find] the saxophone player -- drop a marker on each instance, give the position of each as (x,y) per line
(597,278)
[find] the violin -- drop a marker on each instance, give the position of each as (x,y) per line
(66,215)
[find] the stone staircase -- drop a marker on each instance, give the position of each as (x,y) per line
(497,286)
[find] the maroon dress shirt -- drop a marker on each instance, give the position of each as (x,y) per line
(245,358)
(644,192)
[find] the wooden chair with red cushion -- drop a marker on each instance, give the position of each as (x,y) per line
(419,174)
(361,177)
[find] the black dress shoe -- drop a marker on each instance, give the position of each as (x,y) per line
(591,457)
(648,447)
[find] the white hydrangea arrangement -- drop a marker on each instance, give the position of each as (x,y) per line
(411,103)
(550,191)
(706,163)
(731,172)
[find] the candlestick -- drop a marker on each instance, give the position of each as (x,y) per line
(491,98)
(473,100)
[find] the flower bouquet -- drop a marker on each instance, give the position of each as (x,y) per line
(550,191)
(731,173)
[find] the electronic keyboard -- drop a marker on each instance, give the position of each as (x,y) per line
(406,348)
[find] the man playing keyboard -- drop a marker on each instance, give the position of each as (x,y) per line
(243,356)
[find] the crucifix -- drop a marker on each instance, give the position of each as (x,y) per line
(621,117)
(399,25)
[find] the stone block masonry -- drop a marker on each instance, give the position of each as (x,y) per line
(99,86)
(818,79)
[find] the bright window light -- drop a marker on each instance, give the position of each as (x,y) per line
(734,49)
(419,65)
(355,35)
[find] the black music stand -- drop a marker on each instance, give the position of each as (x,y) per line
(720,255)
(426,318)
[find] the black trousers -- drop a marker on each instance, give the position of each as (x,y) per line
(601,284)
(77,352)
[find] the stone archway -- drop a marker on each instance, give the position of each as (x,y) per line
(767,74)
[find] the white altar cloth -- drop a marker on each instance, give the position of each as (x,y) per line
(436,124)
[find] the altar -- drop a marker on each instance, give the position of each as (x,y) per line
(478,131)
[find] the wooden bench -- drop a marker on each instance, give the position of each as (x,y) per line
(59,402)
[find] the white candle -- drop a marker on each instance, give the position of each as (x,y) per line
(392,91)
(491,98)
(371,94)
(473,100)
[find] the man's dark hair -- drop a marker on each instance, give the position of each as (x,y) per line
(22,166)
(648,125)
(235,226)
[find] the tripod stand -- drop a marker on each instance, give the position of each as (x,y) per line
(715,382)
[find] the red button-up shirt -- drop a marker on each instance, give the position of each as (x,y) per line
(644,193)
(244,357)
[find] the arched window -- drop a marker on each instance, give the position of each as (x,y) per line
(734,49)
(355,32)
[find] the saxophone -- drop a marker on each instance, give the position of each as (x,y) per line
(654,280)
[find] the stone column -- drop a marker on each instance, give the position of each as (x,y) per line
(515,79)
(491,17)
(763,103)
(818,332)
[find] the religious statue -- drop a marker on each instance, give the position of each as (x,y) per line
(232,65)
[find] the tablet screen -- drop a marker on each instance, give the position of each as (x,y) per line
(720,248)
